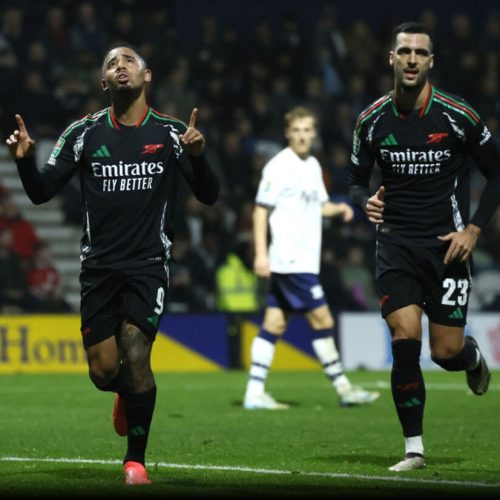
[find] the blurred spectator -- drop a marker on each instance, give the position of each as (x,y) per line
(331,49)
(291,50)
(281,94)
(265,120)
(14,297)
(38,60)
(328,33)
(9,70)
(175,97)
(236,283)
(363,49)
(338,169)
(190,281)
(161,46)
(4,192)
(24,237)
(44,281)
(241,80)
(236,167)
(88,33)
(70,95)
(38,105)
(13,27)
(206,46)
(55,36)
(124,28)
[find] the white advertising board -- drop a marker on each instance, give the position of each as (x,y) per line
(365,340)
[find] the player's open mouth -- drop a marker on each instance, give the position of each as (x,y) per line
(122,78)
(411,73)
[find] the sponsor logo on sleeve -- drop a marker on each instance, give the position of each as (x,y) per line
(55,152)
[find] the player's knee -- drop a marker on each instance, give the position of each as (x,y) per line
(401,331)
(448,357)
(445,351)
(276,327)
(102,374)
(321,318)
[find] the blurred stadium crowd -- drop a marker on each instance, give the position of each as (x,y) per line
(50,59)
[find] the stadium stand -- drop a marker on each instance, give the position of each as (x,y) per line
(242,76)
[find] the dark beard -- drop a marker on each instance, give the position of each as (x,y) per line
(124,96)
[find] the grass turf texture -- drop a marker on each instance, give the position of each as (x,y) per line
(57,439)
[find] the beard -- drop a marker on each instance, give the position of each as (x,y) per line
(415,85)
(126,91)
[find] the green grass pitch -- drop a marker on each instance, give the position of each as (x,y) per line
(57,440)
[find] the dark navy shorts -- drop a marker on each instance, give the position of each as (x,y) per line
(408,275)
(299,292)
(110,297)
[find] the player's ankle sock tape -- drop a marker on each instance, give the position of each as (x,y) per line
(461,361)
(407,385)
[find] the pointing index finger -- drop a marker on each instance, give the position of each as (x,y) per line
(192,120)
(20,124)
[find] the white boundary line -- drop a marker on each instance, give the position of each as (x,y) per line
(279,472)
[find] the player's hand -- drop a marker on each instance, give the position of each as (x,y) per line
(261,266)
(346,211)
(462,243)
(192,140)
(375,206)
(20,144)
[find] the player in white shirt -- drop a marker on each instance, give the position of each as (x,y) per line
(291,201)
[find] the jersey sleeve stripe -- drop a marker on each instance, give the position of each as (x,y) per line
(458,104)
(459,109)
(94,117)
(374,111)
(162,116)
(376,105)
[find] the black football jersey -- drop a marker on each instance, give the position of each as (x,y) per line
(130,176)
(424,158)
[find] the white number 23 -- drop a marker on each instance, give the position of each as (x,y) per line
(451,285)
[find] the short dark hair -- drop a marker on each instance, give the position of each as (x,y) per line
(410,27)
(123,44)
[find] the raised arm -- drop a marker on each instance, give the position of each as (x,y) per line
(40,186)
(201,178)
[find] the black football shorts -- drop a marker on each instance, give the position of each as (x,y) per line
(408,275)
(110,297)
